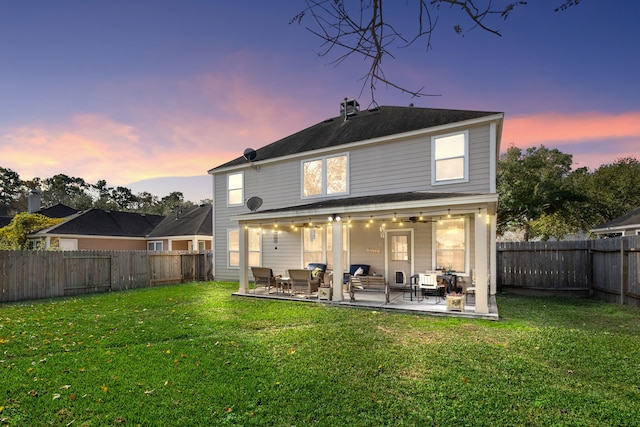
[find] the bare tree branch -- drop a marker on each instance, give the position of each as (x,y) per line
(361,28)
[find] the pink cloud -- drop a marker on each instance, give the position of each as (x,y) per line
(593,138)
(562,128)
(215,118)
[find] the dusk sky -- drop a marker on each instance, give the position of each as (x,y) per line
(130,91)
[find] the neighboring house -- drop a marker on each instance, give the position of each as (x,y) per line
(626,225)
(97,229)
(189,230)
(402,189)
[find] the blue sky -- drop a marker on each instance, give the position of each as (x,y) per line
(135,91)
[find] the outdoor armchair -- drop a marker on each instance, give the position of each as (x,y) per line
(264,277)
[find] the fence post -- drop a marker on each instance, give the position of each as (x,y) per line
(623,271)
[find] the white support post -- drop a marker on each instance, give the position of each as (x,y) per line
(481,262)
(337,262)
(244,257)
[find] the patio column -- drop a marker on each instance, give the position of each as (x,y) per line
(244,257)
(482,249)
(337,261)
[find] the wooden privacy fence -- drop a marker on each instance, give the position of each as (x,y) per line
(606,268)
(27,275)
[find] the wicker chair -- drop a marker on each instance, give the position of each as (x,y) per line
(301,279)
(264,277)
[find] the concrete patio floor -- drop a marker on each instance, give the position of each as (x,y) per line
(398,301)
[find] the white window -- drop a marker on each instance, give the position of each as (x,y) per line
(235,189)
(451,244)
(68,244)
(155,245)
(312,245)
(325,176)
(450,158)
(233,247)
(317,245)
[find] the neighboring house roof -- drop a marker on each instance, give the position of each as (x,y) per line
(194,221)
(97,222)
(57,211)
(629,220)
(368,124)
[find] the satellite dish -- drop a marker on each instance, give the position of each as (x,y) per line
(254,203)
(249,154)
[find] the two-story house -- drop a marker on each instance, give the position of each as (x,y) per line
(397,188)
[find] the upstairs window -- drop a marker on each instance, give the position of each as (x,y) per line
(450,154)
(325,176)
(235,189)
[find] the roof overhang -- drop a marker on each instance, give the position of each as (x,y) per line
(366,207)
(372,141)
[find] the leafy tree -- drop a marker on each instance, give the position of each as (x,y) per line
(535,190)
(614,189)
(14,235)
(365,29)
(11,188)
(124,198)
(67,190)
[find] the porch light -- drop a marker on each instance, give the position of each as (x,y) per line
(334,217)
(394,217)
(448,213)
(421,217)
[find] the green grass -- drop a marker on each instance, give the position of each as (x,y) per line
(194,355)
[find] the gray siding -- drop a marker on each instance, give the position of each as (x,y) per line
(388,167)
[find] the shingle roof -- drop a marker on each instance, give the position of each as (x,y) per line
(195,221)
(630,219)
(97,222)
(5,220)
(57,211)
(368,124)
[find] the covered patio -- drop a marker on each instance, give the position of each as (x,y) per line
(398,235)
(398,302)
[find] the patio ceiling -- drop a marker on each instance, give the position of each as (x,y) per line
(402,206)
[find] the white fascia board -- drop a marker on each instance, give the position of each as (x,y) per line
(86,236)
(466,203)
(345,147)
(182,237)
(619,228)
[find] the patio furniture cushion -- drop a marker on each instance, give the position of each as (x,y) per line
(352,271)
(316,268)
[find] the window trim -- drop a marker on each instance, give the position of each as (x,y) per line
(467,243)
(260,232)
(323,192)
(465,157)
(241,188)
(155,244)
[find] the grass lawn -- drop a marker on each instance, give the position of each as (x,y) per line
(193,355)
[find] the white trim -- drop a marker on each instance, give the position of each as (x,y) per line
(465,158)
(228,250)
(467,203)
(85,236)
(411,255)
(434,257)
(323,159)
(155,243)
(493,156)
(241,173)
